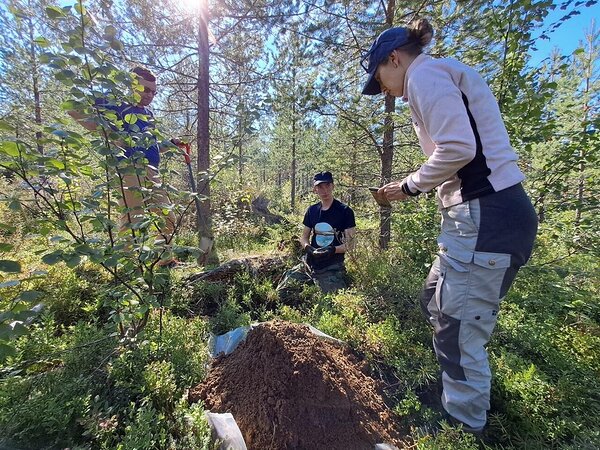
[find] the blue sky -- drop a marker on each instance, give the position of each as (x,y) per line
(568,36)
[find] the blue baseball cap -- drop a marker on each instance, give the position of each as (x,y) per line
(322,177)
(386,43)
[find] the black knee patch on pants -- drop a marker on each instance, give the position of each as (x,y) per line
(446,342)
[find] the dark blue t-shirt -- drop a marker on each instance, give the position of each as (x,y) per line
(340,217)
(138,121)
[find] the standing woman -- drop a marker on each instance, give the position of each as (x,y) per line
(488,222)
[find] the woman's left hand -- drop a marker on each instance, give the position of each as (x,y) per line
(393,191)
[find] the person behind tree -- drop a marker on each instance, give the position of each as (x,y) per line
(329,229)
(488,222)
(145,153)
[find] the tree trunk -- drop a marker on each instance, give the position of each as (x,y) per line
(205,236)
(36,89)
(387,158)
(588,71)
(293,168)
(387,151)
(580,188)
(240,133)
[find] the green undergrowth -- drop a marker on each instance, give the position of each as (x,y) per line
(74,382)
(89,389)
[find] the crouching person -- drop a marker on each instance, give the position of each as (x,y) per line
(329,229)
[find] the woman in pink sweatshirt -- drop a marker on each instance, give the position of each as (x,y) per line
(488,222)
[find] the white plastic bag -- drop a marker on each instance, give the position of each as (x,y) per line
(226,430)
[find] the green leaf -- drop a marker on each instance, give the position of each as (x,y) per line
(112,261)
(4,247)
(130,118)
(116,45)
(55,162)
(9,148)
(66,74)
(46,57)
(18,13)
(67,180)
(110,32)
(84,249)
(80,9)
(29,296)
(5,331)
(6,350)
(73,261)
(18,328)
(15,205)
(70,105)
(5,126)
(153,300)
(75,60)
(54,257)
(60,133)
(42,41)
(10,283)
(10,266)
(8,228)
(54,12)
(87,170)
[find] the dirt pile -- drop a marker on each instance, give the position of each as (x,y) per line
(288,389)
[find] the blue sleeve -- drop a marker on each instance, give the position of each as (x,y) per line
(103,102)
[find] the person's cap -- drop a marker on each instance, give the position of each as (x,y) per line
(322,177)
(386,43)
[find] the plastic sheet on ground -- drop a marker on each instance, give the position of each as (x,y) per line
(226,343)
(226,430)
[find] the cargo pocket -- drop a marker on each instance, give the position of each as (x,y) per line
(477,327)
(485,286)
(491,260)
(456,258)
(480,312)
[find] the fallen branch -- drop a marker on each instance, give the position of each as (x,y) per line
(259,265)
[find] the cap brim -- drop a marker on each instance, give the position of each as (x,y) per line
(372,86)
(316,183)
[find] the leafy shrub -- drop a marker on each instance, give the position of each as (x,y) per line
(180,342)
(73,294)
(198,298)
(159,384)
(147,428)
(448,438)
(391,281)
(95,390)
(229,316)
(48,408)
(234,223)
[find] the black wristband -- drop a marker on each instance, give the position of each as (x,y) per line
(407,191)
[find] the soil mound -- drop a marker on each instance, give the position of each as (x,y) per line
(288,389)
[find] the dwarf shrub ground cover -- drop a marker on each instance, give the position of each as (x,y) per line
(76,383)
